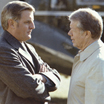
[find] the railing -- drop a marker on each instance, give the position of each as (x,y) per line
(58,13)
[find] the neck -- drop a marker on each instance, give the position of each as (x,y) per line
(87,43)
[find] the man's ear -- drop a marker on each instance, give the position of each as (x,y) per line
(88,34)
(11,23)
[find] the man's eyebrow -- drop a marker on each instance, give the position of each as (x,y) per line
(28,20)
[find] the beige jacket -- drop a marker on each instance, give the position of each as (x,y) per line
(87,79)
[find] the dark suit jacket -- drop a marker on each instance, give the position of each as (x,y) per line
(17,82)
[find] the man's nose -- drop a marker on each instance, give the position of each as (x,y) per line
(69,33)
(32,25)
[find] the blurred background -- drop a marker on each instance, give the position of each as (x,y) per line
(50,36)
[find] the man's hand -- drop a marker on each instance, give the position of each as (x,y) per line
(41,77)
(43,68)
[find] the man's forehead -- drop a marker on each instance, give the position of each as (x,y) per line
(74,23)
(27,12)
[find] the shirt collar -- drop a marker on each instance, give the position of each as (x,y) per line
(90,50)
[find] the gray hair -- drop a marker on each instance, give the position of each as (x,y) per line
(12,10)
(89,20)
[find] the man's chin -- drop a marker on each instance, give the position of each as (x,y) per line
(29,36)
(74,45)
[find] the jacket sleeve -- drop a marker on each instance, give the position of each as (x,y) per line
(52,75)
(18,78)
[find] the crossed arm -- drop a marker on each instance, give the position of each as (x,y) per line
(18,78)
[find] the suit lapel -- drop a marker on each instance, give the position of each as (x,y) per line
(33,54)
(17,45)
(25,54)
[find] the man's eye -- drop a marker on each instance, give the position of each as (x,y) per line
(28,21)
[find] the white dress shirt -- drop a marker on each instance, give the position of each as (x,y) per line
(87,79)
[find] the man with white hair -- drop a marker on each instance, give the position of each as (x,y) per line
(87,78)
